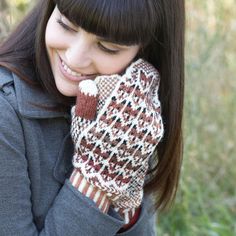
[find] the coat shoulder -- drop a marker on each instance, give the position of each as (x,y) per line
(7,90)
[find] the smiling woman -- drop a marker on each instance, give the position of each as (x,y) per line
(78,55)
(82,174)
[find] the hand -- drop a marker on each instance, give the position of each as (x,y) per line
(112,151)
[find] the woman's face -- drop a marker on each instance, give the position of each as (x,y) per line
(75,54)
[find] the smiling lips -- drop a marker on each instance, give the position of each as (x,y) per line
(69,71)
(72,75)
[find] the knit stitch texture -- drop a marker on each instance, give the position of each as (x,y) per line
(112,152)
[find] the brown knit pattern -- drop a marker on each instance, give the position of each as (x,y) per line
(86,105)
(112,152)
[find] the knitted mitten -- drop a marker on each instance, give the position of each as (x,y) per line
(112,151)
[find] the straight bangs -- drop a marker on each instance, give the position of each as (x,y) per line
(118,21)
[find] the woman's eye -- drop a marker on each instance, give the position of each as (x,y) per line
(65,26)
(107,50)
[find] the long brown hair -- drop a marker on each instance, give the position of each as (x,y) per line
(157,25)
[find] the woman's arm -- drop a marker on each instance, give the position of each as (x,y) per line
(71,212)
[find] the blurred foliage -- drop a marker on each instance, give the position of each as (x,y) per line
(206,201)
(11,12)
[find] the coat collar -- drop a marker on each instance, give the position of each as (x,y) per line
(27,96)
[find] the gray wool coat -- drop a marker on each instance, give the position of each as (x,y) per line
(36,197)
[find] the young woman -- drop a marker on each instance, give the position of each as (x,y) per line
(63,171)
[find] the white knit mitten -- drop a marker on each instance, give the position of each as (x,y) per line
(112,149)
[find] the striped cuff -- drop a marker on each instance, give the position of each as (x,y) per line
(132,221)
(128,214)
(90,191)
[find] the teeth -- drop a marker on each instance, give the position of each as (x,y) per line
(69,71)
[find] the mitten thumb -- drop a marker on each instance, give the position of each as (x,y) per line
(86,100)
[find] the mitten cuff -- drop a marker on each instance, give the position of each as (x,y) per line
(130,215)
(90,191)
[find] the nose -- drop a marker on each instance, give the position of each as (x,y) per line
(78,55)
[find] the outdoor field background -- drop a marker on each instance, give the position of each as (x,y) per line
(206,200)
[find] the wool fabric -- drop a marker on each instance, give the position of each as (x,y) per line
(112,151)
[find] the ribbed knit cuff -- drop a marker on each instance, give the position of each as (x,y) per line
(92,192)
(132,220)
(130,215)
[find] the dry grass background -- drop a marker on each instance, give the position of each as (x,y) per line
(206,201)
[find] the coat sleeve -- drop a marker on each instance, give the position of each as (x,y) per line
(70,214)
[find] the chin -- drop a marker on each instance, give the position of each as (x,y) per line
(67,91)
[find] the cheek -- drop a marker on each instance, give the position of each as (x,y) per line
(54,37)
(51,39)
(49,32)
(116,64)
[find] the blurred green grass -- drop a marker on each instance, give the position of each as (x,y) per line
(206,200)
